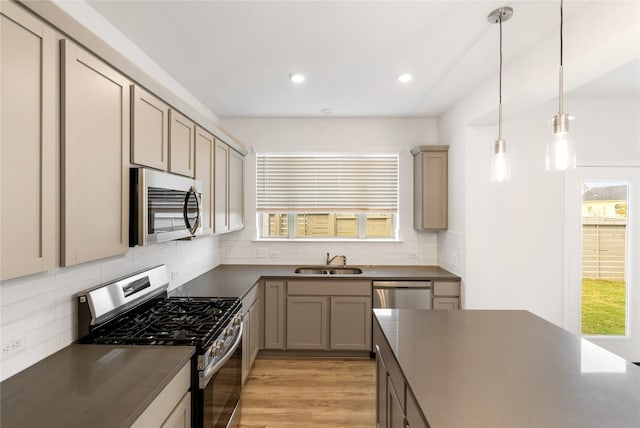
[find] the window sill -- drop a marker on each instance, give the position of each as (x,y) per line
(351,241)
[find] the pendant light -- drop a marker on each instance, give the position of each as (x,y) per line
(561,146)
(500,168)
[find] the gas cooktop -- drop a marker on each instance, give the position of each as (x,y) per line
(170,321)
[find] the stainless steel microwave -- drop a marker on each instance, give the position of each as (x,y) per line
(163,207)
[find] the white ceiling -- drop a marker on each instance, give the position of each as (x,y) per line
(236,56)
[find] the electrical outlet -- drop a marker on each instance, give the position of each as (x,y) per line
(262,253)
(274,254)
(11,347)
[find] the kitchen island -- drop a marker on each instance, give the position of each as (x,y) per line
(500,369)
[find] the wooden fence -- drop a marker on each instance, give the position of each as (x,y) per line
(604,251)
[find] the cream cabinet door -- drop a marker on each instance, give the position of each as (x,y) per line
(221,200)
(307,322)
(431,194)
(274,316)
(95,141)
(149,129)
(205,145)
(351,323)
(228,188)
(254,329)
(181,144)
(236,190)
(29,147)
(180,417)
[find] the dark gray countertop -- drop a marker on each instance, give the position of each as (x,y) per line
(90,386)
(509,369)
(235,280)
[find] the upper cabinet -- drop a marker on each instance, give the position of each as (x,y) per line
(430,202)
(95,147)
(71,126)
(29,146)
(162,138)
(181,144)
(205,145)
(228,188)
(149,130)
(236,190)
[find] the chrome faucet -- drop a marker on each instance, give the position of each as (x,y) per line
(330,260)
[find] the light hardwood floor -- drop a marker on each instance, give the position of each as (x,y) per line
(286,393)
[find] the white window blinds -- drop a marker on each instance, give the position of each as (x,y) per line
(321,183)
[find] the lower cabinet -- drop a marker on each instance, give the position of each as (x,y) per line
(382,375)
(446,295)
(317,315)
(251,334)
(274,307)
(172,407)
(396,406)
(329,315)
(351,323)
(180,417)
(395,412)
(307,322)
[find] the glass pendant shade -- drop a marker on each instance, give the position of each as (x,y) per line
(500,170)
(561,144)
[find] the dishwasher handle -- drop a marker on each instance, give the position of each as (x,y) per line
(402,284)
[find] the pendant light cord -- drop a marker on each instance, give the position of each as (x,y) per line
(500,84)
(561,78)
(561,24)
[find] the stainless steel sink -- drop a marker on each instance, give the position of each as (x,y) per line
(311,271)
(317,270)
(346,271)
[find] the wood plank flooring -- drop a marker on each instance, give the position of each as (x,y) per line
(286,393)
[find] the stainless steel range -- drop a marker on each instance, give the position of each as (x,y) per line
(135,310)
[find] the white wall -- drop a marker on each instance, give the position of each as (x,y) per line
(41,311)
(375,135)
(507,240)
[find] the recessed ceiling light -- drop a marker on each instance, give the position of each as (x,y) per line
(405,77)
(297,77)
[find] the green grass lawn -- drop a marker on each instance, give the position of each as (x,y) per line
(603,307)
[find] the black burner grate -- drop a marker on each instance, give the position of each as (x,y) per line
(174,321)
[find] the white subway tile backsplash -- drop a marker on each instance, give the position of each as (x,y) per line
(40,335)
(116,267)
(42,308)
(75,274)
(18,310)
(30,321)
(14,291)
(66,338)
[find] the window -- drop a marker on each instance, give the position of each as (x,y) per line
(327,196)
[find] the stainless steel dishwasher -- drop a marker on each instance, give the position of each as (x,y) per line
(402,294)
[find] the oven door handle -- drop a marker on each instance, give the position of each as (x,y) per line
(206,375)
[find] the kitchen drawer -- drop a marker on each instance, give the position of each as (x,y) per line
(329,288)
(446,303)
(446,288)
